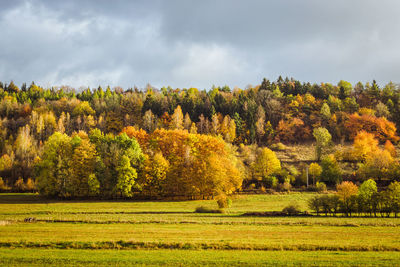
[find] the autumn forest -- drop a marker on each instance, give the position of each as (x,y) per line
(194,144)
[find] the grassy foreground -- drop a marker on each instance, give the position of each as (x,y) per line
(169,233)
(38,257)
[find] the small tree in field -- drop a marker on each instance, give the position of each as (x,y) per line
(365,195)
(315,204)
(393,194)
(347,191)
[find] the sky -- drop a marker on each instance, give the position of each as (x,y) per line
(191,43)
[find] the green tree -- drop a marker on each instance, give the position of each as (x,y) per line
(126,177)
(12,88)
(54,169)
(366,192)
(345,89)
(323,141)
(83,108)
(119,159)
(331,171)
(325,111)
(393,193)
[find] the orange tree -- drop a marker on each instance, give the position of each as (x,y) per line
(347,193)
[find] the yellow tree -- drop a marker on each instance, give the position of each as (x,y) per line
(149,121)
(377,164)
(315,171)
(177,119)
(154,174)
(193,128)
(364,144)
(199,165)
(266,164)
(83,168)
(347,191)
(187,122)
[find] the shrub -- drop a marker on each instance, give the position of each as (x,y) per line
(224,202)
(270,181)
(278,147)
(320,187)
(30,185)
(292,209)
(3,186)
(293,170)
(203,209)
(19,185)
(286,186)
(311,188)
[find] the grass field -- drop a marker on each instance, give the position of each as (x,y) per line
(38,257)
(170,233)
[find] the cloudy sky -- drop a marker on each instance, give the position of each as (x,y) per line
(191,43)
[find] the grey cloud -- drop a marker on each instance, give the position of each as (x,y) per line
(197,43)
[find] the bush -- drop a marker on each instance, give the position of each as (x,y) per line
(293,170)
(286,186)
(312,188)
(203,209)
(224,202)
(19,185)
(320,187)
(30,185)
(278,147)
(291,210)
(3,186)
(270,181)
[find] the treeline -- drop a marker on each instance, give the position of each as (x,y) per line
(173,163)
(285,110)
(362,201)
(245,120)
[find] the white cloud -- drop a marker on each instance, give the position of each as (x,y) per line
(197,43)
(208,63)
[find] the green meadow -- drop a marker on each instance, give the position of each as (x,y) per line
(94,233)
